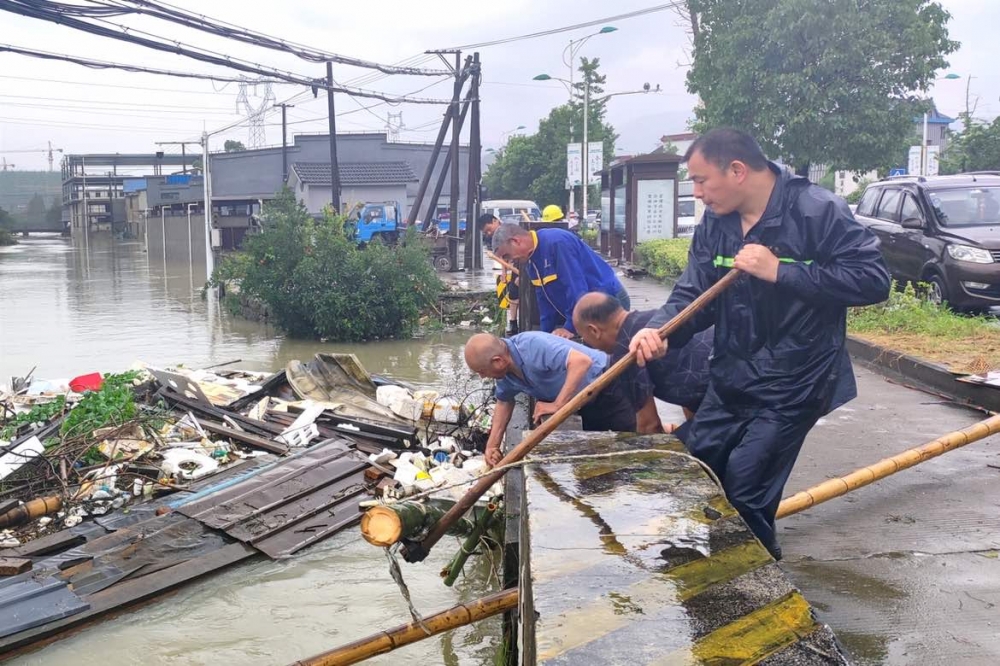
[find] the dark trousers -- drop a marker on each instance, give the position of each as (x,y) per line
(753,456)
(609,410)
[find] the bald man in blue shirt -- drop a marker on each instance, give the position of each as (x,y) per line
(550,369)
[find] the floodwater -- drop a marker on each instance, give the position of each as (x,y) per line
(73,306)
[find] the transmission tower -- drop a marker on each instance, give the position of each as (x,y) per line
(254,110)
(393,125)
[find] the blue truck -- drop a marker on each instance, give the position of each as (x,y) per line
(375,220)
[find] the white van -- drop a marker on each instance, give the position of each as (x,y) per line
(511,210)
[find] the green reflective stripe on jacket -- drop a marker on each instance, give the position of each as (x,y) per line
(727,262)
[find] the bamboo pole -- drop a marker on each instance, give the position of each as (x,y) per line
(416,551)
(386,524)
(483,523)
(389,640)
(36,508)
(859,478)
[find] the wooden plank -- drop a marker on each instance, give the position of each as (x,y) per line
(246,438)
(11,566)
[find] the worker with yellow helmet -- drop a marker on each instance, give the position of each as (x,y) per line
(561,267)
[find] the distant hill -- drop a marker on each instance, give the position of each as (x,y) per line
(18,187)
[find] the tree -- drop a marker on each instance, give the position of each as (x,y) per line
(534,166)
(977,148)
(6,221)
(232,146)
(35,212)
(317,282)
(54,214)
(829,82)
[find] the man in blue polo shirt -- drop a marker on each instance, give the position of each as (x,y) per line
(562,268)
(551,370)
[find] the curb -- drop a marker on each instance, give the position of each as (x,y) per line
(922,375)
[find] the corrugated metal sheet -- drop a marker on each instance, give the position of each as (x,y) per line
(26,603)
(296,503)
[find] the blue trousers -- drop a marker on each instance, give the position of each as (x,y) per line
(753,455)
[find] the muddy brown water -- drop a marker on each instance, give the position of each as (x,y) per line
(72,306)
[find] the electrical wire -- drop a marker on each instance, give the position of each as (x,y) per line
(576,26)
(102,64)
(113,85)
(37,9)
(221,28)
(113,103)
(118,128)
(120,113)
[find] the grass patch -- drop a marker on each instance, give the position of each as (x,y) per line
(666,258)
(910,324)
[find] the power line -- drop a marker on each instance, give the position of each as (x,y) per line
(576,26)
(100,64)
(37,10)
(113,85)
(120,113)
(118,128)
(221,28)
(113,103)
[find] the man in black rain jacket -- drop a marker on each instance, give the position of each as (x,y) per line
(779,361)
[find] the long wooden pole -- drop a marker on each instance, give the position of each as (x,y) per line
(416,551)
(842,485)
(386,641)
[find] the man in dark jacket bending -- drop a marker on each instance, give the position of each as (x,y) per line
(779,361)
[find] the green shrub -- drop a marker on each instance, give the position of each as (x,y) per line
(7,238)
(318,283)
(665,258)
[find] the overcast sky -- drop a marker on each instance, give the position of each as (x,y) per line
(82,110)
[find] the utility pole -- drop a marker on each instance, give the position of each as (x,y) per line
(284,141)
(456,131)
(183,145)
(585,194)
(334,165)
(207,190)
(473,246)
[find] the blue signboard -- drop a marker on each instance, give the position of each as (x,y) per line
(898,171)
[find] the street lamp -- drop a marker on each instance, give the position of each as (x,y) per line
(569,59)
(509,132)
(585,174)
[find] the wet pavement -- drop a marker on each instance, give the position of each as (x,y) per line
(638,559)
(906,570)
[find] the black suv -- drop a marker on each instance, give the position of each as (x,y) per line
(941,230)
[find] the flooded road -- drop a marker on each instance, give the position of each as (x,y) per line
(72,306)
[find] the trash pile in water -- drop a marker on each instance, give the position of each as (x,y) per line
(73,450)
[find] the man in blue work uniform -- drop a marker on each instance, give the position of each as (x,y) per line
(551,370)
(562,268)
(679,378)
(779,359)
